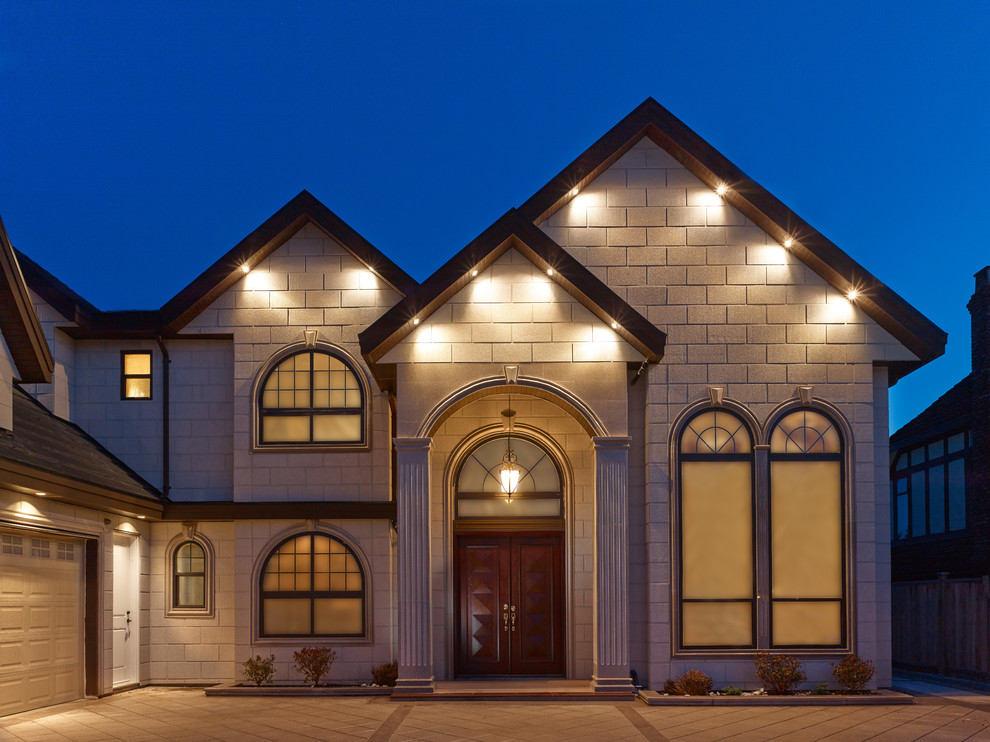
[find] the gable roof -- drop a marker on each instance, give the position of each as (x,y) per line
(950,412)
(19,322)
(47,453)
(511,231)
(911,328)
(215,280)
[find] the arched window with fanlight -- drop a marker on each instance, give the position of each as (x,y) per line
(807,527)
(508,477)
(716,532)
(311,398)
(312,585)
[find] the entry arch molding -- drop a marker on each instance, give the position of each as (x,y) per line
(533,386)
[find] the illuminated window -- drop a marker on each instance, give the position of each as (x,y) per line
(807,543)
(739,590)
(135,374)
(717,576)
(312,585)
(189,576)
(479,487)
(311,398)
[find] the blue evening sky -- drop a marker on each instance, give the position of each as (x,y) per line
(139,141)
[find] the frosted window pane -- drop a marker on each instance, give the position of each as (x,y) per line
(285,429)
(286,615)
(715,431)
(192,592)
(480,472)
(717,529)
(806,527)
(337,427)
(918,503)
(805,431)
(807,624)
(518,508)
(936,499)
(189,558)
(717,624)
(137,364)
(137,388)
(338,616)
(957,495)
(321,361)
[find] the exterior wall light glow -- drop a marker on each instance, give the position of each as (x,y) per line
(245,268)
(549,271)
(852,294)
(474,273)
(722,189)
(415,320)
(788,242)
(574,191)
(615,325)
(509,473)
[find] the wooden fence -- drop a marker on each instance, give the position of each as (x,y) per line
(942,626)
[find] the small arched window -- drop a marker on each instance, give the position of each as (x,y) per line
(312,585)
(807,526)
(717,564)
(311,398)
(189,576)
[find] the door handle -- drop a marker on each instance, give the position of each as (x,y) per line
(128,616)
(513,609)
(505,616)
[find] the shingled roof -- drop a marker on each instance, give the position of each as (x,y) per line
(651,120)
(45,453)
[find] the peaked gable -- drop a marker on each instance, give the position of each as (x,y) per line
(512,232)
(20,325)
(651,120)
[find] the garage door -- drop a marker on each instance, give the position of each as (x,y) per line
(41,620)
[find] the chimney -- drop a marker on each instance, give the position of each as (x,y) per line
(979,310)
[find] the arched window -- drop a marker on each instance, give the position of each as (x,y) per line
(189,576)
(312,585)
(717,559)
(537,492)
(807,526)
(189,564)
(311,398)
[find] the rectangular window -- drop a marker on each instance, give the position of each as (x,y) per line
(66,552)
(902,508)
(957,495)
(10,544)
(929,495)
(41,548)
(918,504)
(936,499)
(135,374)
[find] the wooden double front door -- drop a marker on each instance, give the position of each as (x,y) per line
(510,605)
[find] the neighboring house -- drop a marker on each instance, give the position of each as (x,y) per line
(682,384)
(940,471)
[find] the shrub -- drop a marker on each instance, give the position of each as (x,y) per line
(260,669)
(853,672)
(671,688)
(385,674)
(779,673)
(731,690)
(314,663)
(694,683)
(820,690)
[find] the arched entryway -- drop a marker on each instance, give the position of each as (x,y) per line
(508,559)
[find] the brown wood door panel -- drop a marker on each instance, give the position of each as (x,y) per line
(496,571)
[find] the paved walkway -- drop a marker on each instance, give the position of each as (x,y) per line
(179,714)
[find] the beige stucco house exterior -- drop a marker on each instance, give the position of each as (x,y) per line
(688,381)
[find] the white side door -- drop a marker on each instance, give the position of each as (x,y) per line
(125,609)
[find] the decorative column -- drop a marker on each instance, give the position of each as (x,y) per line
(611,566)
(413,505)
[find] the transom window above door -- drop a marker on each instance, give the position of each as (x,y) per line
(533,490)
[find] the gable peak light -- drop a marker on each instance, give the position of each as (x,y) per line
(245,268)
(788,242)
(722,189)
(474,273)
(852,294)
(615,325)
(550,271)
(573,191)
(415,321)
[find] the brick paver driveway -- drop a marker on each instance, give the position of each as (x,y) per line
(178,714)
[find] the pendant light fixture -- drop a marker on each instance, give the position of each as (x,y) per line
(509,471)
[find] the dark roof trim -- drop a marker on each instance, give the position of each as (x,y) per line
(262,242)
(56,294)
(19,322)
(915,331)
(950,412)
(512,232)
(200,511)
